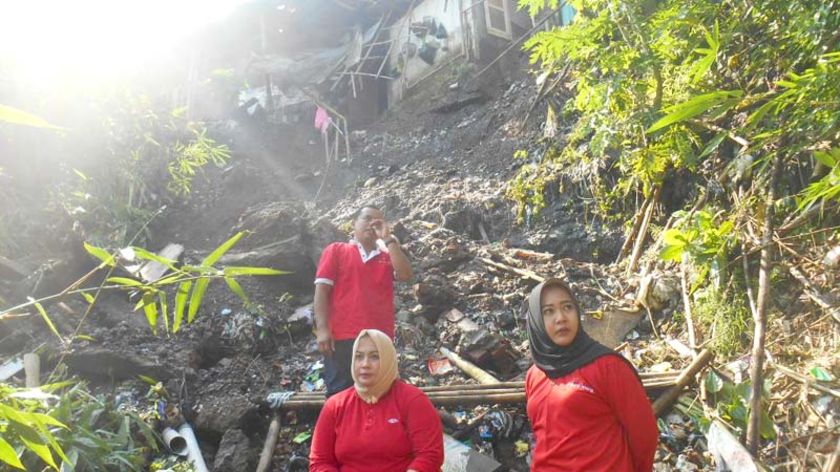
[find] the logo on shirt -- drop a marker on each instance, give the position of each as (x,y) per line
(581,387)
(393,420)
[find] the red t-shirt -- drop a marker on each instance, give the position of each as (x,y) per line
(399,432)
(362,295)
(598,418)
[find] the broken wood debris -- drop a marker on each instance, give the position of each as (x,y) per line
(524,273)
(814,294)
(805,380)
(661,404)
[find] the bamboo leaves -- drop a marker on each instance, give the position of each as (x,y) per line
(192,283)
(828,187)
(180,304)
(26,425)
(707,55)
(47,319)
(8,455)
(19,117)
(695,106)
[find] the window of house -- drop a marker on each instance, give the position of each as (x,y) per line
(497,19)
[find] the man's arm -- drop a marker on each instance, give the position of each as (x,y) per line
(322,311)
(402,266)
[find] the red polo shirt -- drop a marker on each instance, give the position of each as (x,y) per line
(598,418)
(362,294)
(399,432)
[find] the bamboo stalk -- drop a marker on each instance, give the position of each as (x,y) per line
(649,379)
(270,442)
(689,319)
(760,316)
(661,404)
(489,394)
(469,368)
(631,236)
(640,238)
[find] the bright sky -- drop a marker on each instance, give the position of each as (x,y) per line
(98,38)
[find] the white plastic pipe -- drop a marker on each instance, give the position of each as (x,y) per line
(193,451)
(174,441)
(32,365)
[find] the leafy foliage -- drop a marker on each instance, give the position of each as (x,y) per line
(726,319)
(191,281)
(732,403)
(152,158)
(680,92)
(701,239)
(64,427)
(28,428)
(191,157)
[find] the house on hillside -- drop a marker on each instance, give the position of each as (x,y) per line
(356,59)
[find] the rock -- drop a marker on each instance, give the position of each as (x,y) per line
(101,363)
(301,321)
(234,453)
(435,294)
(656,291)
(832,258)
(221,413)
(403,316)
(434,290)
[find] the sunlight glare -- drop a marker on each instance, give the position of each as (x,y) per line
(99,37)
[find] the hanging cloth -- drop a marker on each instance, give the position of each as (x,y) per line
(322,120)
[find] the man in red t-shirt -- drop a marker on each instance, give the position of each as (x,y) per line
(354,290)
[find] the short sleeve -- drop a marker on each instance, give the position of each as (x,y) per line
(328,266)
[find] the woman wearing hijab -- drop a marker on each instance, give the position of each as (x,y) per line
(587,406)
(382,424)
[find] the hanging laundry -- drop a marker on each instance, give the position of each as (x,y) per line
(322,119)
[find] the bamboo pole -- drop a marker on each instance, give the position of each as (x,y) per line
(513,44)
(760,316)
(631,236)
(504,393)
(689,318)
(640,237)
(469,368)
(661,404)
(270,443)
(654,379)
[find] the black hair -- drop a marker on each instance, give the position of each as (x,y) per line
(361,208)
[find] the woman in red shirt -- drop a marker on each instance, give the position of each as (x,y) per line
(382,424)
(587,406)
